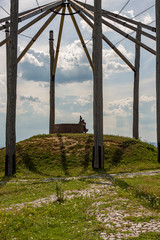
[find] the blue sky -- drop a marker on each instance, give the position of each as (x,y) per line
(74,81)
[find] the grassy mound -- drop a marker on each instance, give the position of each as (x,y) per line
(71,155)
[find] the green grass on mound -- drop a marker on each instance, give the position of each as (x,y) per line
(71,155)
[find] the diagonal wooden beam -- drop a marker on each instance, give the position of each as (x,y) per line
(59,41)
(91,15)
(80,37)
(107,13)
(28,25)
(130,27)
(28,14)
(107,41)
(38,34)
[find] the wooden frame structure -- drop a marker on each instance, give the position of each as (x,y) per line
(95,17)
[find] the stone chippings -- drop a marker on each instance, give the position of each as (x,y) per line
(114,212)
(115,219)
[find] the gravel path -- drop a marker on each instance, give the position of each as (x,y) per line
(121,217)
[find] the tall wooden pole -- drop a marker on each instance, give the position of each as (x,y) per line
(7,50)
(98,154)
(158,75)
(136,87)
(52,84)
(10,164)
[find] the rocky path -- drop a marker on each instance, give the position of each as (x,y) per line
(121,217)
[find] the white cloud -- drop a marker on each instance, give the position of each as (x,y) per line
(147,19)
(111,61)
(32,60)
(71,56)
(85,26)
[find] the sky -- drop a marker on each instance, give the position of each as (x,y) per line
(74,78)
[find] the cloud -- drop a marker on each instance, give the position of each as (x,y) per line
(30,99)
(112,63)
(85,26)
(30,58)
(34,66)
(118,116)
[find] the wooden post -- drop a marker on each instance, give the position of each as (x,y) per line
(52,84)
(98,154)
(7,49)
(10,164)
(136,87)
(158,75)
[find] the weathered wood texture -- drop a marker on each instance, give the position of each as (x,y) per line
(52,84)
(136,87)
(10,167)
(98,159)
(158,76)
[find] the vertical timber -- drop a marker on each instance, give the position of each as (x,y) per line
(136,87)
(7,50)
(52,84)
(158,75)
(10,164)
(98,160)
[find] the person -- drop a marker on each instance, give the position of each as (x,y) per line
(84,125)
(81,121)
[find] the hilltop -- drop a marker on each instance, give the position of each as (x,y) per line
(71,155)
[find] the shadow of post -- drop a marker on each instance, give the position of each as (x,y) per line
(63,155)
(87,155)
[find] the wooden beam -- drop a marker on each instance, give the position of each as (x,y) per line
(58,42)
(107,13)
(52,84)
(107,41)
(37,35)
(27,26)
(124,24)
(98,154)
(34,12)
(80,37)
(10,163)
(7,49)
(90,15)
(136,87)
(158,76)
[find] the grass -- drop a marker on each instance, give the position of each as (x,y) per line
(68,220)
(71,215)
(74,218)
(71,155)
(144,188)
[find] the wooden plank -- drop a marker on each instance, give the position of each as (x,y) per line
(90,15)
(107,13)
(136,87)
(27,26)
(52,84)
(81,37)
(59,41)
(98,156)
(10,163)
(158,77)
(28,14)
(37,35)
(107,41)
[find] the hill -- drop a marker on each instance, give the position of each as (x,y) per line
(71,155)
